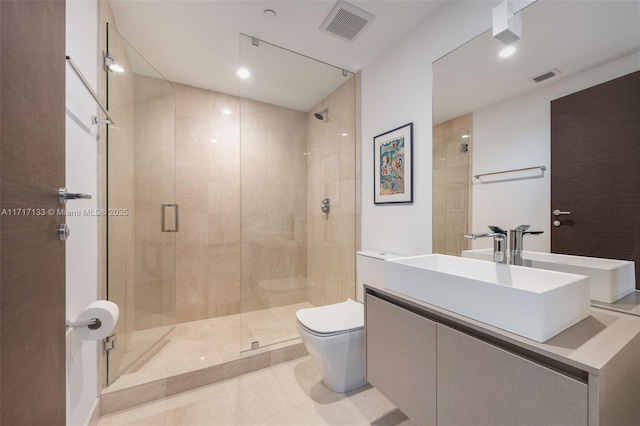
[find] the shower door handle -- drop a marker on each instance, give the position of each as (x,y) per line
(169,219)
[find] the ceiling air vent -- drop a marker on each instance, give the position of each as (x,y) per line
(545,76)
(346,21)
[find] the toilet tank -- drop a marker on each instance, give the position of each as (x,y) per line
(370,270)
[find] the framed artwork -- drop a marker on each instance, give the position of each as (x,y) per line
(393,166)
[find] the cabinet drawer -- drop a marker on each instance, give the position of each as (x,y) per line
(401,358)
(481,384)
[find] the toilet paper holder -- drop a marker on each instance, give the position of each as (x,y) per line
(93,323)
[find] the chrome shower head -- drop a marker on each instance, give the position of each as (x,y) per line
(323,114)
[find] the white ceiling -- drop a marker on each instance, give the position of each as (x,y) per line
(198,42)
(571,36)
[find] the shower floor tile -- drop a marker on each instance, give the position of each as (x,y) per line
(199,344)
(291,393)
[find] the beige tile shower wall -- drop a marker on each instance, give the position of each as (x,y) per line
(120,188)
(331,174)
(154,163)
(208,193)
(274,217)
(451,180)
(274,198)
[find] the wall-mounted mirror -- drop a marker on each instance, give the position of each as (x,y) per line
(496,115)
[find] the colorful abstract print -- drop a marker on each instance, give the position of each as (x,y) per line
(392,167)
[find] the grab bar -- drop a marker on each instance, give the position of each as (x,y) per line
(543,168)
(74,67)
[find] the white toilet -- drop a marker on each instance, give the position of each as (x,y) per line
(334,334)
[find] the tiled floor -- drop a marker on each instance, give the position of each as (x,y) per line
(286,394)
(200,344)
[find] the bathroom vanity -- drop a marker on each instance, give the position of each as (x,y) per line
(442,368)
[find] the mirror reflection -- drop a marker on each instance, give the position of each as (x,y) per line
(496,114)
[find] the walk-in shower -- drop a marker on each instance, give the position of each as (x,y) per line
(239,177)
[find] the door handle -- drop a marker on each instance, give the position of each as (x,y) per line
(169,218)
(557,213)
(63,196)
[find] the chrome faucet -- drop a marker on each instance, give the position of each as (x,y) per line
(516,240)
(499,242)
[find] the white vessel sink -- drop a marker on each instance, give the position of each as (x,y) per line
(532,303)
(609,279)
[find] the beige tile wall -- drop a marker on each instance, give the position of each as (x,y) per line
(289,162)
(451,180)
(283,260)
(208,193)
(273,167)
(332,174)
(207,175)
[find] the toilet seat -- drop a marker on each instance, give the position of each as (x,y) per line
(331,320)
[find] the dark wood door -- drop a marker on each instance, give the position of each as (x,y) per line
(32,168)
(595,171)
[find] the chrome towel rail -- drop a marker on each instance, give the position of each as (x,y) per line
(74,67)
(542,168)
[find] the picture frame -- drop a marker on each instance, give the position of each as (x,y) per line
(393,166)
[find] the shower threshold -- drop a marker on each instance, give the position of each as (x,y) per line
(203,352)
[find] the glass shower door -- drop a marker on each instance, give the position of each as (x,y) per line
(293,255)
(142,217)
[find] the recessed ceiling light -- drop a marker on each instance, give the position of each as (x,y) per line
(243,73)
(226,111)
(270,14)
(345,134)
(507,51)
(465,136)
(214,140)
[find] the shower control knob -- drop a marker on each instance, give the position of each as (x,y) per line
(326,206)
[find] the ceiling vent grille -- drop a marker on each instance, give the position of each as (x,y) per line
(346,21)
(545,76)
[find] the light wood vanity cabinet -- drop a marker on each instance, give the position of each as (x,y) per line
(401,358)
(481,384)
(444,369)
